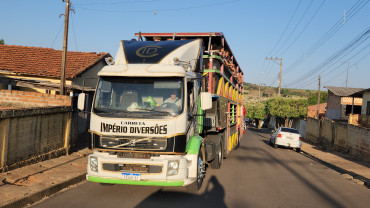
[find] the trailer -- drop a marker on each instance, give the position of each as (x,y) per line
(222,77)
(164,108)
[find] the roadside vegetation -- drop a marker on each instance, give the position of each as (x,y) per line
(262,103)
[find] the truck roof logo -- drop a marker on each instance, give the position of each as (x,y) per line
(148,51)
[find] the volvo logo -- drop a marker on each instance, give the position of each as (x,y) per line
(147,51)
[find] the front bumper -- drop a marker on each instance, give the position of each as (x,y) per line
(129,182)
(186,173)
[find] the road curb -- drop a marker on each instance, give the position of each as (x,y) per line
(22,202)
(338,169)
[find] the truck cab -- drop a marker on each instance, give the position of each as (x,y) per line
(146,113)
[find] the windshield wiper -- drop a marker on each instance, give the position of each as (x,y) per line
(110,111)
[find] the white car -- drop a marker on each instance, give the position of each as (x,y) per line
(287,137)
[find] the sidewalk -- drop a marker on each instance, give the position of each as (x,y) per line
(348,166)
(31,183)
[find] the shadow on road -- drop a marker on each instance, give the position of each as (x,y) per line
(270,157)
(212,197)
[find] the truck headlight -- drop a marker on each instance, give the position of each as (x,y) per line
(173,167)
(94,164)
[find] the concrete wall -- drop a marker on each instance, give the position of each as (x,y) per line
(364,121)
(312,130)
(327,133)
(30,135)
(359,145)
(341,137)
(300,125)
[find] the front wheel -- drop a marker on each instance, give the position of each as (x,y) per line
(201,170)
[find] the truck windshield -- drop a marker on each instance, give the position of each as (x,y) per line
(129,96)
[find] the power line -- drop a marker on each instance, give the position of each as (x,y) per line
(74,33)
(117,2)
(305,27)
(352,45)
(281,67)
(56,37)
(295,27)
(159,10)
(286,27)
(335,28)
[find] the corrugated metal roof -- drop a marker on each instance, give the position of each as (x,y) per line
(360,93)
(343,91)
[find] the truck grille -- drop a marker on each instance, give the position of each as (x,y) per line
(132,168)
(134,143)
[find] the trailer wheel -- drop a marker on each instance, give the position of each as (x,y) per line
(219,156)
(201,170)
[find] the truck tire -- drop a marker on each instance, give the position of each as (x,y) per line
(195,186)
(219,156)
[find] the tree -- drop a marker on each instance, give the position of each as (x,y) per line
(312,100)
(256,111)
(2,42)
(286,109)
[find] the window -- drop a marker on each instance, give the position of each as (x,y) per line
(132,95)
(290,130)
(356,109)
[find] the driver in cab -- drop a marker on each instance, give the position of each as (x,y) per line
(174,99)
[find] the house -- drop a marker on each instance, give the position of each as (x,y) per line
(364,118)
(340,104)
(312,110)
(39,69)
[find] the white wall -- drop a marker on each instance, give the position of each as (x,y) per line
(365,99)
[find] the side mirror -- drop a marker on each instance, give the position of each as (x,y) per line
(81,101)
(206,100)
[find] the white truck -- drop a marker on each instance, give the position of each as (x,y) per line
(147,116)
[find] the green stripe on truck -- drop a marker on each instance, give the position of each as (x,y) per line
(127,182)
(193,145)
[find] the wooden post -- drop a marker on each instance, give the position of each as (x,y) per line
(318,99)
(4,129)
(64,53)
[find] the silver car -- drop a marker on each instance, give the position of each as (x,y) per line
(287,137)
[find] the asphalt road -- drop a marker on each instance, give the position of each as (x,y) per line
(255,175)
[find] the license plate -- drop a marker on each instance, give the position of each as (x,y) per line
(289,137)
(131,176)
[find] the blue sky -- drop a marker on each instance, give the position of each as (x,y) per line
(310,35)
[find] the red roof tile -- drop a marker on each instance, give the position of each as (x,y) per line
(45,62)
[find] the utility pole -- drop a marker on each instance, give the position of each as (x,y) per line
(318,99)
(259,90)
(64,53)
(347,73)
(281,68)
